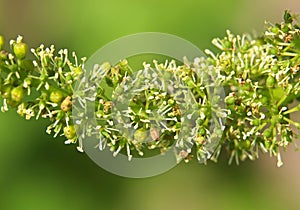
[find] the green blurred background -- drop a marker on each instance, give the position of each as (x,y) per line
(39,172)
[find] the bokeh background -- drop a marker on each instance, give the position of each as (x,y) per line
(39,172)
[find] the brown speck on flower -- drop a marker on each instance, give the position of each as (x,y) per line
(107,106)
(154,133)
(183,154)
(288,38)
(66,104)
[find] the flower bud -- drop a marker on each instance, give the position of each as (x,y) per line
(171,102)
(227,44)
(246,144)
(140,135)
(70,132)
(267,133)
(56,96)
(17,94)
(275,68)
(270,82)
(256,122)
(274,30)
(230,100)
(285,28)
(202,131)
(20,50)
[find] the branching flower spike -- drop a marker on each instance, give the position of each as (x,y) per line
(260,77)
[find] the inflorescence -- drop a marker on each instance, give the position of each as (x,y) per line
(259,77)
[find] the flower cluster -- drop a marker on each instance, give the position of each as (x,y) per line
(261,80)
(42,87)
(239,100)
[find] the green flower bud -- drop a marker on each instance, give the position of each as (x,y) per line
(270,82)
(267,133)
(285,28)
(20,50)
(274,30)
(278,93)
(260,41)
(17,94)
(70,132)
(246,144)
(256,122)
(202,131)
(230,100)
(140,135)
(275,68)
(171,102)
(199,122)
(245,47)
(227,44)
(211,61)
(178,125)
(56,96)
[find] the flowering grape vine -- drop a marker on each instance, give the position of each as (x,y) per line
(260,76)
